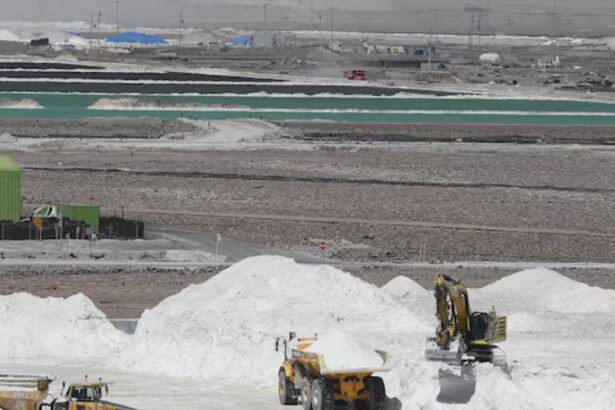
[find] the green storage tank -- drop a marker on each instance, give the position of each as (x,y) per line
(90,214)
(10,190)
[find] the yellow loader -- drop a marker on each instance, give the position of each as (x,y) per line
(85,396)
(305,378)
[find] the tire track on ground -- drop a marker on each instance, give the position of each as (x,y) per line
(317,179)
(360,221)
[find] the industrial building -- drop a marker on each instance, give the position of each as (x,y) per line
(10,190)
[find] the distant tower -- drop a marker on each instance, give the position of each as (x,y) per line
(332,22)
(117,16)
(265,8)
(181,27)
(312,14)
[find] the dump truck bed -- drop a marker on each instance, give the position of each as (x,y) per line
(318,363)
(23,391)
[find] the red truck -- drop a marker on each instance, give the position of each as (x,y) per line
(359,75)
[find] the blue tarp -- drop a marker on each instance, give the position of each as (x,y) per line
(134,37)
(241,41)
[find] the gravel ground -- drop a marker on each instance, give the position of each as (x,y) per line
(537,189)
(147,128)
(522,134)
(120,293)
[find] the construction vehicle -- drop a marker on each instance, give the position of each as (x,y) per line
(464,336)
(358,75)
(305,378)
(23,391)
(84,396)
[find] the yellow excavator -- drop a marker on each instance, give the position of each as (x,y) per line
(464,336)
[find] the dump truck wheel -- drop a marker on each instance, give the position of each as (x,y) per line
(377,393)
(306,393)
(322,395)
(286,390)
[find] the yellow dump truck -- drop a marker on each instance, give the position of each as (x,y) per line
(23,391)
(86,396)
(305,378)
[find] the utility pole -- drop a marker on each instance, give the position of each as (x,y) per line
(117,16)
(98,31)
(265,7)
(91,29)
(181,28)
(332,22)
(429,54)
(320,32)
(312,14)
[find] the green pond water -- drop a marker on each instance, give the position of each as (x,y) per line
(377,109)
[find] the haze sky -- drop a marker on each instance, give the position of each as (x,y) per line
(165,12)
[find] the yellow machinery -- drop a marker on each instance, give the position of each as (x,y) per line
(85,396)
(23,392)
(304,378)
(463,335)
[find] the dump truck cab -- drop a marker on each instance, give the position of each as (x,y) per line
(86,396)
(87,392)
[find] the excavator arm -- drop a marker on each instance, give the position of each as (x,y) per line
(452,310)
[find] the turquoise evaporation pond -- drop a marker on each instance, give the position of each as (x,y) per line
(460,110)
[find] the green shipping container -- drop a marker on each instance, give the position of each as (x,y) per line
(90,214)
(10,190)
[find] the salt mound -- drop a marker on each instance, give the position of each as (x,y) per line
(25,103)
(224,329)
(155,105)
(403,286)
(34,327)
(544,289)
(341,352)
(417,299)
(6,137)
(7,35)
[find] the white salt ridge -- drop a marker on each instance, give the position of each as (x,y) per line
(341,352)
(33,327)
(8,35)
(413,296)
(224,329)
(25,103)
(544,289)
(154,105)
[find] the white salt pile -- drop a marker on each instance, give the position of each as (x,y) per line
(224,329)
(341,352)
(25,103)
(413,296)
(33,327)
(544,289)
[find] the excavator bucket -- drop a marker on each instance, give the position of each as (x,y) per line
(456,388)
(453,355)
